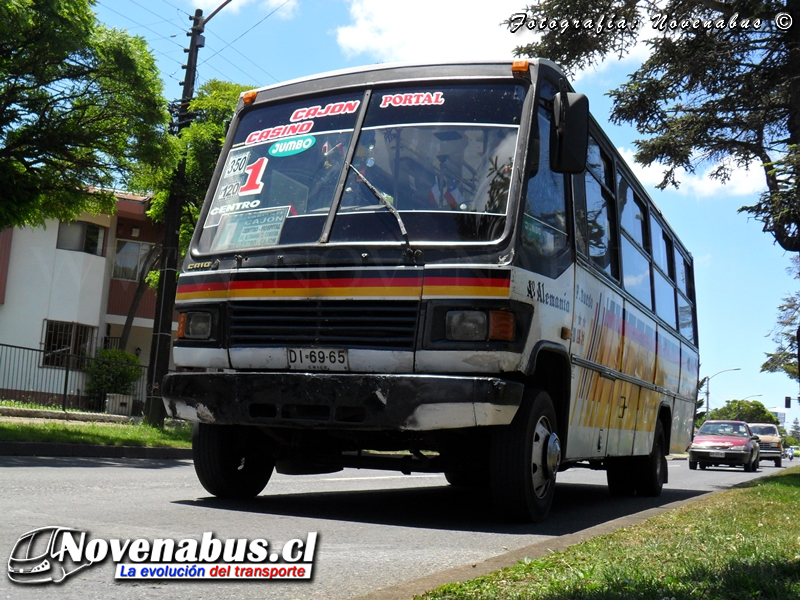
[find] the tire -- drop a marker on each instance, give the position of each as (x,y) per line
(231,461)
(620,475)
(524,461)
(778,462)
(702,466)
(752,466)
(653,468)
(692,465)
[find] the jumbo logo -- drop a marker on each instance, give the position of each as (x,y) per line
(292,146)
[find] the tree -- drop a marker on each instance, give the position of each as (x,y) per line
(199,145)
(784,359)
(80,109)
(795,431)
(180,187)
(751,411)
(721,86)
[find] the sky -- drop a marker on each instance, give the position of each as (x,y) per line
(740,273)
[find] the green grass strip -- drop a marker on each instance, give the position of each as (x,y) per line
(741,544)
(106,434)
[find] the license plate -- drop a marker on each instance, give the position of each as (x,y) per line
(717,454)
(318,359)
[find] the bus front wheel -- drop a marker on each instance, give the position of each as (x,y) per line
(231,461)
(525,457)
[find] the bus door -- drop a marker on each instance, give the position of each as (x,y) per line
(596,349)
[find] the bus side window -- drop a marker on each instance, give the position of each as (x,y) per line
(600,216)
(636,277)
(545,219)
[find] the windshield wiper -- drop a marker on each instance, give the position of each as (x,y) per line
(382,197)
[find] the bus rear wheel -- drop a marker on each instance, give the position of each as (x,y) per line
(653,468)
(525,457)
(231,461)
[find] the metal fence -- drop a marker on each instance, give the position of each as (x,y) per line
(32,375)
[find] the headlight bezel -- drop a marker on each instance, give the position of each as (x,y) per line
(507,324)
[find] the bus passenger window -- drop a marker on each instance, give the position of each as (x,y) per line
(599,215)
(632,213)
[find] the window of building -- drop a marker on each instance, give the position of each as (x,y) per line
(63,342)
(129,259)
(80,236)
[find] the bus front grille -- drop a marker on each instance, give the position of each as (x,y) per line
(376,324)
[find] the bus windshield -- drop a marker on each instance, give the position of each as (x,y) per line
(440,155)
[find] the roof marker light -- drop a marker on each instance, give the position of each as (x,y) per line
(520,66)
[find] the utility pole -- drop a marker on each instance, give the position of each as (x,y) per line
(161,344)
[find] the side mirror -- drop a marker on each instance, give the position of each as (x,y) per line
(569,136)
(755,438)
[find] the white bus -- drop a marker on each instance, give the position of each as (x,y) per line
(432,268)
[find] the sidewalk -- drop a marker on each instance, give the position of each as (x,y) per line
(80,450)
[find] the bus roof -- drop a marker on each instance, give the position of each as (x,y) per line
(393,66)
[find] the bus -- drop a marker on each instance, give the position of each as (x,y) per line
(440,268)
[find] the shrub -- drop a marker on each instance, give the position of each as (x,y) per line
(112,372)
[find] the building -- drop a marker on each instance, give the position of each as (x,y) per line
(66,288)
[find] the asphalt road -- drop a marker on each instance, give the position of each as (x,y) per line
(376,529)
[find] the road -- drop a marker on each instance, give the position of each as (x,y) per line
(376,529)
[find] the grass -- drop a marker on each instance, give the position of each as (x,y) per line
(35,405)
(107,434)
(739,544)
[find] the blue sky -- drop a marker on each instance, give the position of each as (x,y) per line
(740,273)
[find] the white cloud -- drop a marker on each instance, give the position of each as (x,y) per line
(743,182)
(425,30)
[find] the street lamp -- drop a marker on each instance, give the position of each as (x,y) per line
(752,396)
(708,392)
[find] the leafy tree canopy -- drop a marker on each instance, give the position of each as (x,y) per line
(751,411)
(81,107)
(199,145)
(714,94)
(784,359)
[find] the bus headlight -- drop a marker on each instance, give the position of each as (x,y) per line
(466,325)
(478,325)
(194,325)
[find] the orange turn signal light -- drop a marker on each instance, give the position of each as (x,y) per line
(502,325)
(181,325)
(249,97)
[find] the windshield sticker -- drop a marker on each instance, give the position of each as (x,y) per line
(331,110)
(415,99)
(236,164)
(291,147)
(249,229)
(271,133)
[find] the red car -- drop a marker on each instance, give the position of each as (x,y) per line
(724,443)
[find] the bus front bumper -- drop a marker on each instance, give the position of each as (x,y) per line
(342,400)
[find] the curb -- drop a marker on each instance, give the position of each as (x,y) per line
(34,413)
(91,451)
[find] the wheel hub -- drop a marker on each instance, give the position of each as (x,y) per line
(552,455)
